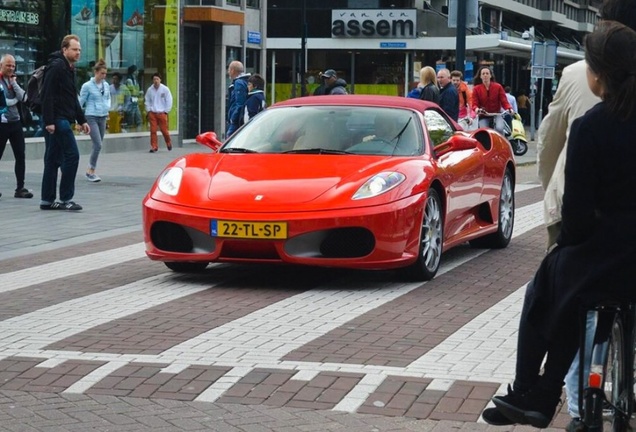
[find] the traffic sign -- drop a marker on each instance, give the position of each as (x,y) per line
(542,72)
(544,54)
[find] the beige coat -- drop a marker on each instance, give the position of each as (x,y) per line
(572,99)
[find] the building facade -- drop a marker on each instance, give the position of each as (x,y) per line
(188,42)
(377,46)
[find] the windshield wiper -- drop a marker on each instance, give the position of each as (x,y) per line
(318,151)
(237,150)
(399,135)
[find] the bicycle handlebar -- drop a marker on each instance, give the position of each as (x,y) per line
(486,113)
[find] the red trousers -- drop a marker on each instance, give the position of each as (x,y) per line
(161,120)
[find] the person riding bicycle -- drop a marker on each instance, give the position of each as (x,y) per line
(596,248)
(489,99)
(595,253)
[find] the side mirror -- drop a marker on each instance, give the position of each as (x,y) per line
(458,141)
(210,140)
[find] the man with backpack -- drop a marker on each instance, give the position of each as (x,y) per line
(60,110)
(10,124)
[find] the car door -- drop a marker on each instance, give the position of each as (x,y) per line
(461,172)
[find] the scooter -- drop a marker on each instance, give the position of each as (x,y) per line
(516,135)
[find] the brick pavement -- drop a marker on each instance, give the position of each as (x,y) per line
(105,371)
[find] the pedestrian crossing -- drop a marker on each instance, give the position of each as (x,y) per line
(275,332)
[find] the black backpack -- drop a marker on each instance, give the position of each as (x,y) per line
(34,88)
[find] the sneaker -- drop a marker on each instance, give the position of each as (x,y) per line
(494,417)
(135,22)
(535,407)
(93,177)
(70,206)
(152,151)
(23,193)
(575,425)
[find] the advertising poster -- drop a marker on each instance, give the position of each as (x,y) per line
(170,33)
(83,24)
(109,22)
(133,34)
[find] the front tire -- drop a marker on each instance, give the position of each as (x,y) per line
(186,267)
(431,241)
(519,147)
(502,237)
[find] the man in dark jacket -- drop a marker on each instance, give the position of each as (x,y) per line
(333,84)
(448,97)
(255,102)
(236,96)
(60,109)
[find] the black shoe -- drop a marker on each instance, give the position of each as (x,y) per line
(535,407)
(494,417)
(169,147)
(23,193)
(46,206)
(152,151)
(575,425)
(70,206)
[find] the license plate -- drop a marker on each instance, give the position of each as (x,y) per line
(248,230)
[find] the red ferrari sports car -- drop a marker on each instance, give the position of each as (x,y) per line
(366,182)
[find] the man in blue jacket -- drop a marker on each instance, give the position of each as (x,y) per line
(236,96)
(60,109)
(448,96)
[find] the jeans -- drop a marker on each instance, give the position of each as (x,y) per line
(572,378)
(12,132)
(498,120)
(98,129)
(61,153)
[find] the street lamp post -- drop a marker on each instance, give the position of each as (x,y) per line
(303,50)
(460,46)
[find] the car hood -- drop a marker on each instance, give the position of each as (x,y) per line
(285,179)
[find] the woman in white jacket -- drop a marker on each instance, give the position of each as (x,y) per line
(95,98)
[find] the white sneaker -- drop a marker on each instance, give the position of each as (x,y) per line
(92,177)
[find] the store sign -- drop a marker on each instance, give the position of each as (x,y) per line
(20,17)
(374,23)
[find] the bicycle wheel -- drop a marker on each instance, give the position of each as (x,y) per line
(617,391)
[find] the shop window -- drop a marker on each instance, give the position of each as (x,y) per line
(136,38)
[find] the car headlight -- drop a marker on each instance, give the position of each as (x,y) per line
(170,180)
(378,184)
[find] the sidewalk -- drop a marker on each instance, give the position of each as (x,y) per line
(111,207)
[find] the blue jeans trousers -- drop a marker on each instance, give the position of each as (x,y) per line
(61,153)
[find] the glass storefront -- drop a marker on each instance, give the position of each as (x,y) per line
(136,38)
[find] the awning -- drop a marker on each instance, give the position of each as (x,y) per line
(211,14)
(512,46)
(492,43)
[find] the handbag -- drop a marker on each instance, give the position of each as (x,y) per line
(25,114)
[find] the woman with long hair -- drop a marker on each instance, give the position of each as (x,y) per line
(95,98)
(489,97)
(427,89)
(594,257)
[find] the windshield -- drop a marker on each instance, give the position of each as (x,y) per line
(330,130)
